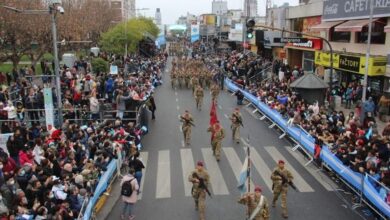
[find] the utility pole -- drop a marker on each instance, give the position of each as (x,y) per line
(365,82)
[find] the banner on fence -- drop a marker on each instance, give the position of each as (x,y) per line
(49,108)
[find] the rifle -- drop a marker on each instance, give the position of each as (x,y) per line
(202,185)
(285,180)
(188,121)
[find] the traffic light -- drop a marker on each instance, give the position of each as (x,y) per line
(250,24)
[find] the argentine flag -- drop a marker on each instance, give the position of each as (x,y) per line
(244,175)
(369,133)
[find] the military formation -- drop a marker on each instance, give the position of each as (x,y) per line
(193,74)
(177,49)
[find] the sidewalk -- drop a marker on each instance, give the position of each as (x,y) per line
(380,124)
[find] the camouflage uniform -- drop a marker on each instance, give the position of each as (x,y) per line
(281,189)
(199,97)
(236,119)
(198,193)
(186,126)
(214,92)
(252,200)
(217,135)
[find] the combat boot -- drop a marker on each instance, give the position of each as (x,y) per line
(196,205)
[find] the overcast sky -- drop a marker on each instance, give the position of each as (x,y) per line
(171,10)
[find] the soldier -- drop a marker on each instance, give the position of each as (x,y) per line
(187,121)
(200,180)
(280,178)
(199,97)
(195,83)
(217,135)
(214,91)
(236,119)
(181,79)
(187,79)
(173,79)
(257,204)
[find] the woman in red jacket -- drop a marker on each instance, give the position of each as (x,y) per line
(26,157)
(9,167)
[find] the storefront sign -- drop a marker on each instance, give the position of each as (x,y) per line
(290,40)
(354,9)
(315,44)
(323,59)
(349,63)
(356,64)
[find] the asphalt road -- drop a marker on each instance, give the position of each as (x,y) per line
(165,190)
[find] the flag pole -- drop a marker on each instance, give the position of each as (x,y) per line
(248,174)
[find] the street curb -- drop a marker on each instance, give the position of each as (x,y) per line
(110,203)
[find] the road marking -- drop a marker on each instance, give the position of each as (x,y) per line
(321,178)
(301,184)
(180,128)
(177,99)
(144,159)
(182,143)
(187,164)
(177,107)
(220,107)
(218,184)
(163,186)
(175,93)
(234,162)
(260,165)
(226,116)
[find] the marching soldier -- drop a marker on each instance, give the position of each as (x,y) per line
(236,119)
(173,79)
(217,135)
(199,97)
(214,91)
(257,205)
(195,83)
(188,122)
(281,177)
(187,79)
(200,181)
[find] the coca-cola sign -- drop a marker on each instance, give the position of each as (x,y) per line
(334,10)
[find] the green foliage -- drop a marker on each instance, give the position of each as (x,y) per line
(99,65)
(128,33)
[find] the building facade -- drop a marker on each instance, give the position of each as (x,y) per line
(219,7)
(250,8)
(123,9)
(157,17)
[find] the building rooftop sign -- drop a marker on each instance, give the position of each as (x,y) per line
(334,10)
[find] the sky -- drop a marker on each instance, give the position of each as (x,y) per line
(171,10)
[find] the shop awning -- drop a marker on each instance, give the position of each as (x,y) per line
(325,26)
(353,25)
(387,28)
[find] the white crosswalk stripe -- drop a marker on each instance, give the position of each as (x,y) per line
(218,184)
(301,184)
(187,163)
(235,162)
(144,159)
(163,187)
(325,181)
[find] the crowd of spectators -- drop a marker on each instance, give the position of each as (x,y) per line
(48,173)
(354,138)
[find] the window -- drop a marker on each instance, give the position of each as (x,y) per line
(308,62)
(344,37)
(378,36)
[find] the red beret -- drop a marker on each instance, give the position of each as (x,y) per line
(200,163)
(258,189)
(281,161)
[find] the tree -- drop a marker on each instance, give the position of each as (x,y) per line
(128,33)
(99,65)
(22,34)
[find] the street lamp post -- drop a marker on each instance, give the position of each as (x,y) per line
(364,95)
(56,63)
(54,7)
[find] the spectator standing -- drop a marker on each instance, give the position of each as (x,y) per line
(32,105)
(383,108)
(94,106)
(129,200)
(368,106)
(137,165)
(121,104)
